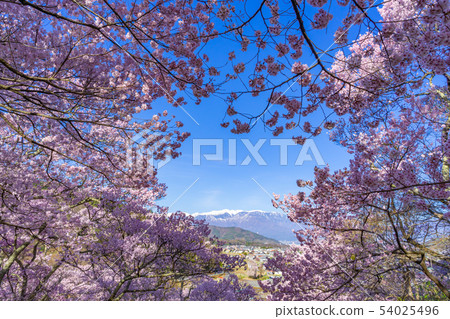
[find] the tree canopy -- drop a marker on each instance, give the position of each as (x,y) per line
(77,222)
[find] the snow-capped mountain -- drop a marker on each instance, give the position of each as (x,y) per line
(274,225)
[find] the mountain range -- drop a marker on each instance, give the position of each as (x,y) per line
(273,225)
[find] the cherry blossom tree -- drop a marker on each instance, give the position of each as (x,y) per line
(379,228)
(229,289)
(76,221)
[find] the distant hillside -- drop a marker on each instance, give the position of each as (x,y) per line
(274,225)
(239,236)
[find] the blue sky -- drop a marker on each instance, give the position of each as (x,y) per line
(216,185)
